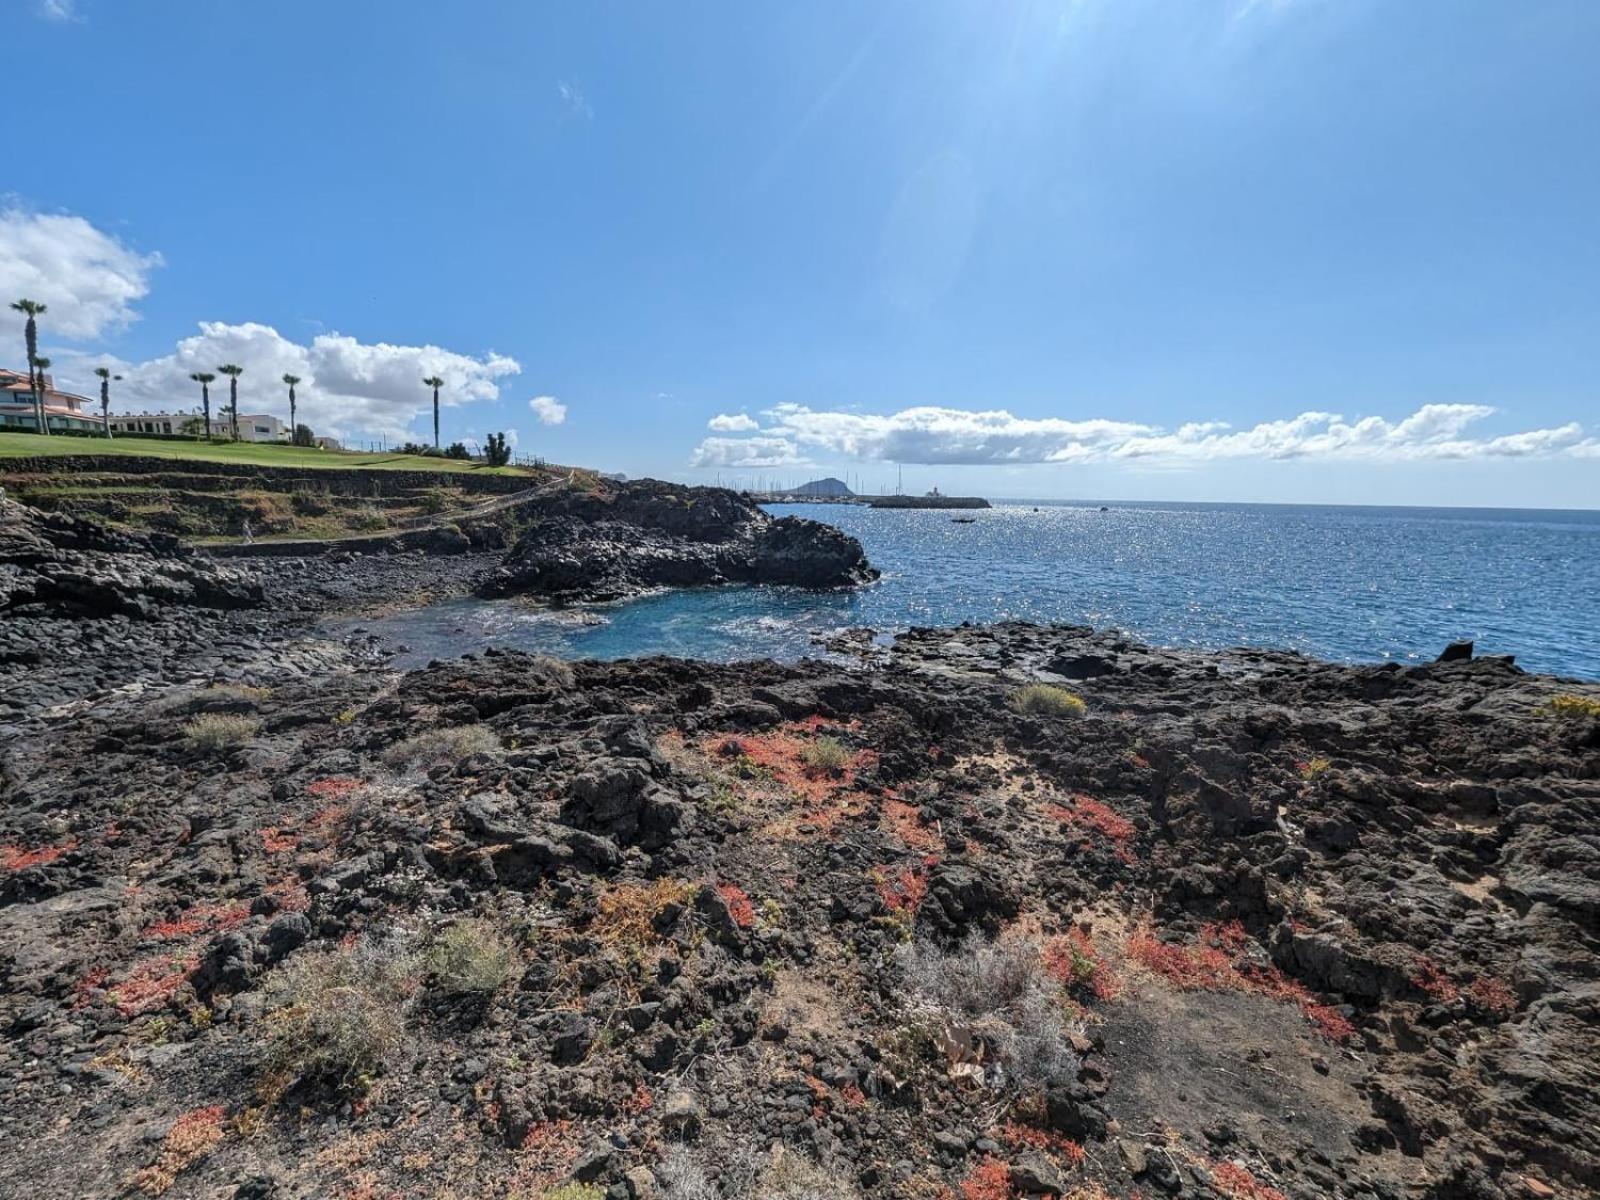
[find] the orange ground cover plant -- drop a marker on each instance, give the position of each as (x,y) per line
(1233,1180)
(1074,962)
(336,787)
(1431,978)
(738,904)
(547,1153)
(1093,816)
(641,1102)
(903,889)
(780,753)
(1055,1145)
(200,918)
(1493,995)
(152,982)
(15,858)
(989,1180)
(905,823)
(276,841)
(1218,964)
(192,1136)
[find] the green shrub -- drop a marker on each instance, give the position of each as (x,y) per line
(469,958)
(367,517)
(1045,699)
(341,1013)
(218,731)
(435,500)
(442,745)
(826,756)
(1570,705)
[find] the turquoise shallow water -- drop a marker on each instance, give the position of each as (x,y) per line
(1355,584)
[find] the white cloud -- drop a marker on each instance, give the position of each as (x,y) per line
(548,409)
(347,386)
(947,435)
(958,436)
(733,423)
(89,279)
(1249,8)
(747,452)
(574,101)
(59,10)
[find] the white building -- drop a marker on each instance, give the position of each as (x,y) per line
(253,427)
(133,424)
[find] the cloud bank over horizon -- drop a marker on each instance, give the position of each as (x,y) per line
(796,435)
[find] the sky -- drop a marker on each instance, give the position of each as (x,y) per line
(1331,251)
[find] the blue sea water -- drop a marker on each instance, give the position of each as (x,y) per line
(1346,583)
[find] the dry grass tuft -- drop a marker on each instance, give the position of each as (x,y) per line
(469,958)
(996,998)
(825,756)
(342,1015)
(442,745)
(628,913)
(792,1176)
(1567,704)
(680,1176)
(1045,699)
(219,731)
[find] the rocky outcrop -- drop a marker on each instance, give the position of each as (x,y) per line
(55,565)
(1243,925)
(627,538)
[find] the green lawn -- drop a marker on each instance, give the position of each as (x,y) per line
(30,445)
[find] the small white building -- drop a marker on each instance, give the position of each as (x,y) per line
(253,427)
(133,424)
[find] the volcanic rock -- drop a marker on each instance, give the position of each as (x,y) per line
(647,534)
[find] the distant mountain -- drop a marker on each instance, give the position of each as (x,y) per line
(822,487)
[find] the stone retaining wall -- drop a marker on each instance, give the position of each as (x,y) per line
(344,481)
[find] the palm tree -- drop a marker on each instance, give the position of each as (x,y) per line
(42,365)
(105,396)
(291,380)
(233,373)
(435,383)
(30,331)
(204,378)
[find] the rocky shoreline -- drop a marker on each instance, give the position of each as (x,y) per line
(1237,925)
(596,546)
(162,614)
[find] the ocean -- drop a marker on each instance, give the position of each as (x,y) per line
(1352,584)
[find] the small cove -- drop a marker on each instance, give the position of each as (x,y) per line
(1342,583)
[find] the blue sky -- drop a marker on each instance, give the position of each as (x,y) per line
(1322,250)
